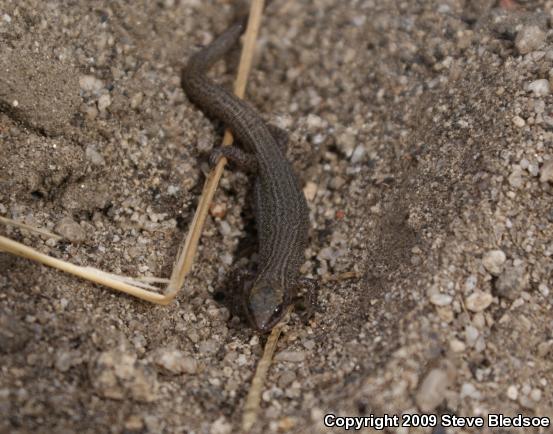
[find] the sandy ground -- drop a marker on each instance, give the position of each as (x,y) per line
(424,137)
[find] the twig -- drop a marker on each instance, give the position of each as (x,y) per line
(22,225)
(253,400)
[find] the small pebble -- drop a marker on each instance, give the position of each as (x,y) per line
(515,178)
(346,142)
(89,83)
(493,261)
(136,100)
(468,390)
(94,156)
(70,230)
(134,423)
(225,228)
(471,335)
(104,102)
(512,392)
(539,87)
(518,121)
(290,356)
(285,379)
(65,360)
(536,394)
(546,171)
(13,334)
(310,190)
(314,122)
(470,283)
(478,301)
(457,346)
(209,346)
(529,38)
(432,390)
(176,362)
(116,374)
(218,210)
(221,426)
(440,299)
(172,190)
(511,282)
(544,290)
(358,154)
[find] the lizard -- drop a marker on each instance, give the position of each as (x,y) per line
(280,208)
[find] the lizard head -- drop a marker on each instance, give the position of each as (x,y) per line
(265,304)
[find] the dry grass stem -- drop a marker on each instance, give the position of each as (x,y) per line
(22,225)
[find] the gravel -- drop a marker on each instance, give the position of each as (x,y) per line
(421,133)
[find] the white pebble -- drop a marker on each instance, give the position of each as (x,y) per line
(544,290)
(136,100)
(468,390)
(515,178)
(314,121)
(518,121)
(176,362)
(471,335)
(535,394)
(457,346)
(310,190)
(493,261)
(539,87)
(478,301)
(512,392)
(470,283)
(440,299)
(290,356)
(358,154)
(89,83)
(529,38)
(104,102)
(432,390)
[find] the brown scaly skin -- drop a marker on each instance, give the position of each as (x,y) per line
(282,216)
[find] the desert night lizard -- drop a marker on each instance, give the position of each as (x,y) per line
(281,212)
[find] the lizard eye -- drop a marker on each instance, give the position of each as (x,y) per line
(277,311)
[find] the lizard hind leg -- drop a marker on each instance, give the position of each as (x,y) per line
(233,293)
(281,137)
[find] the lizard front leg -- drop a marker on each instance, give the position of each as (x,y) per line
(306,300)
(243,160)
